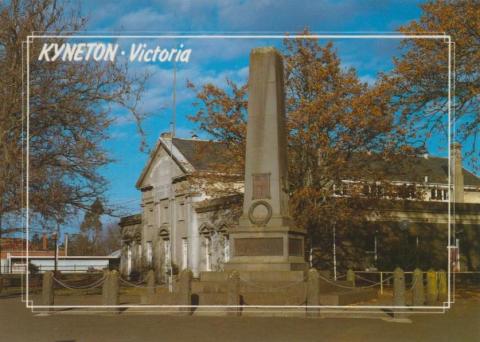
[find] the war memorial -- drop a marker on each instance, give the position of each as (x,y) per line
(266,263)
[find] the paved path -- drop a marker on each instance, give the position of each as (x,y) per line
(18,324)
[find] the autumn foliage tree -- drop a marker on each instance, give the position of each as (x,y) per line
(420,76)
(336,125)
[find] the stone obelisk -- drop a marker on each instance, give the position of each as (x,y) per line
(265,238)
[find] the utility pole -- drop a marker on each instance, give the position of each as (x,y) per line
(334,253)
(55,238)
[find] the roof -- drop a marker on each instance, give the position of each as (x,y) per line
(413,169)
(202,154)
(177,156)
(189,154)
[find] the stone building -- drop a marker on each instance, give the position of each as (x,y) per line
(181,227)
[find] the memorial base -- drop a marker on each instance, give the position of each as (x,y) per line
(275,247)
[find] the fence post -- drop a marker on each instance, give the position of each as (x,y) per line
(432,287)
(47,289)
(184,294)
(313,297)
(418,288)
(233,294)
(105,285)
(399,292)
(351,276)
(111,289)
(114,288)
(442,286)
(398,287)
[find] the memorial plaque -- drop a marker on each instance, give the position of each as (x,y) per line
(261,185)
(295,247)
(259,247)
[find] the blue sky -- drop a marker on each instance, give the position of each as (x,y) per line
(215,60)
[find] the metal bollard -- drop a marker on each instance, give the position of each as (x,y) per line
(432,287)
(398,287)
(442,286)
(233,294)
(47,289)
(418,288)
(313,295)
(351,276)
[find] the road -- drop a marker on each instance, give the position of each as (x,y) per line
(17,323)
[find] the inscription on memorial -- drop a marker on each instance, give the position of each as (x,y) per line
(259,247)
(261,185)
(295,247)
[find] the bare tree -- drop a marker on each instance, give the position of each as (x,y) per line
(70,113)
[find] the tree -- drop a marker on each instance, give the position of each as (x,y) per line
(336,125)
(420,74)
(108,241)
(70,107)
(111,238)
(91,227)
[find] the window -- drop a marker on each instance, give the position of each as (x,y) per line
(184,253)
(439,194)
(164,215)
(227,249)
(181,211)
(139,252)
(166,250)
(129,259)
(150,216)
(149,255)
(208,265)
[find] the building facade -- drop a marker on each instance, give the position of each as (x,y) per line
(181,227)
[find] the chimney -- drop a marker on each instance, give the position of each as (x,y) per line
(166,135)
(44,241)
(457,172)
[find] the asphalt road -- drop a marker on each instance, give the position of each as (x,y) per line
(17,323)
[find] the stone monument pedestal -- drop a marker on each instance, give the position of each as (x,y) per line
(271,248)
